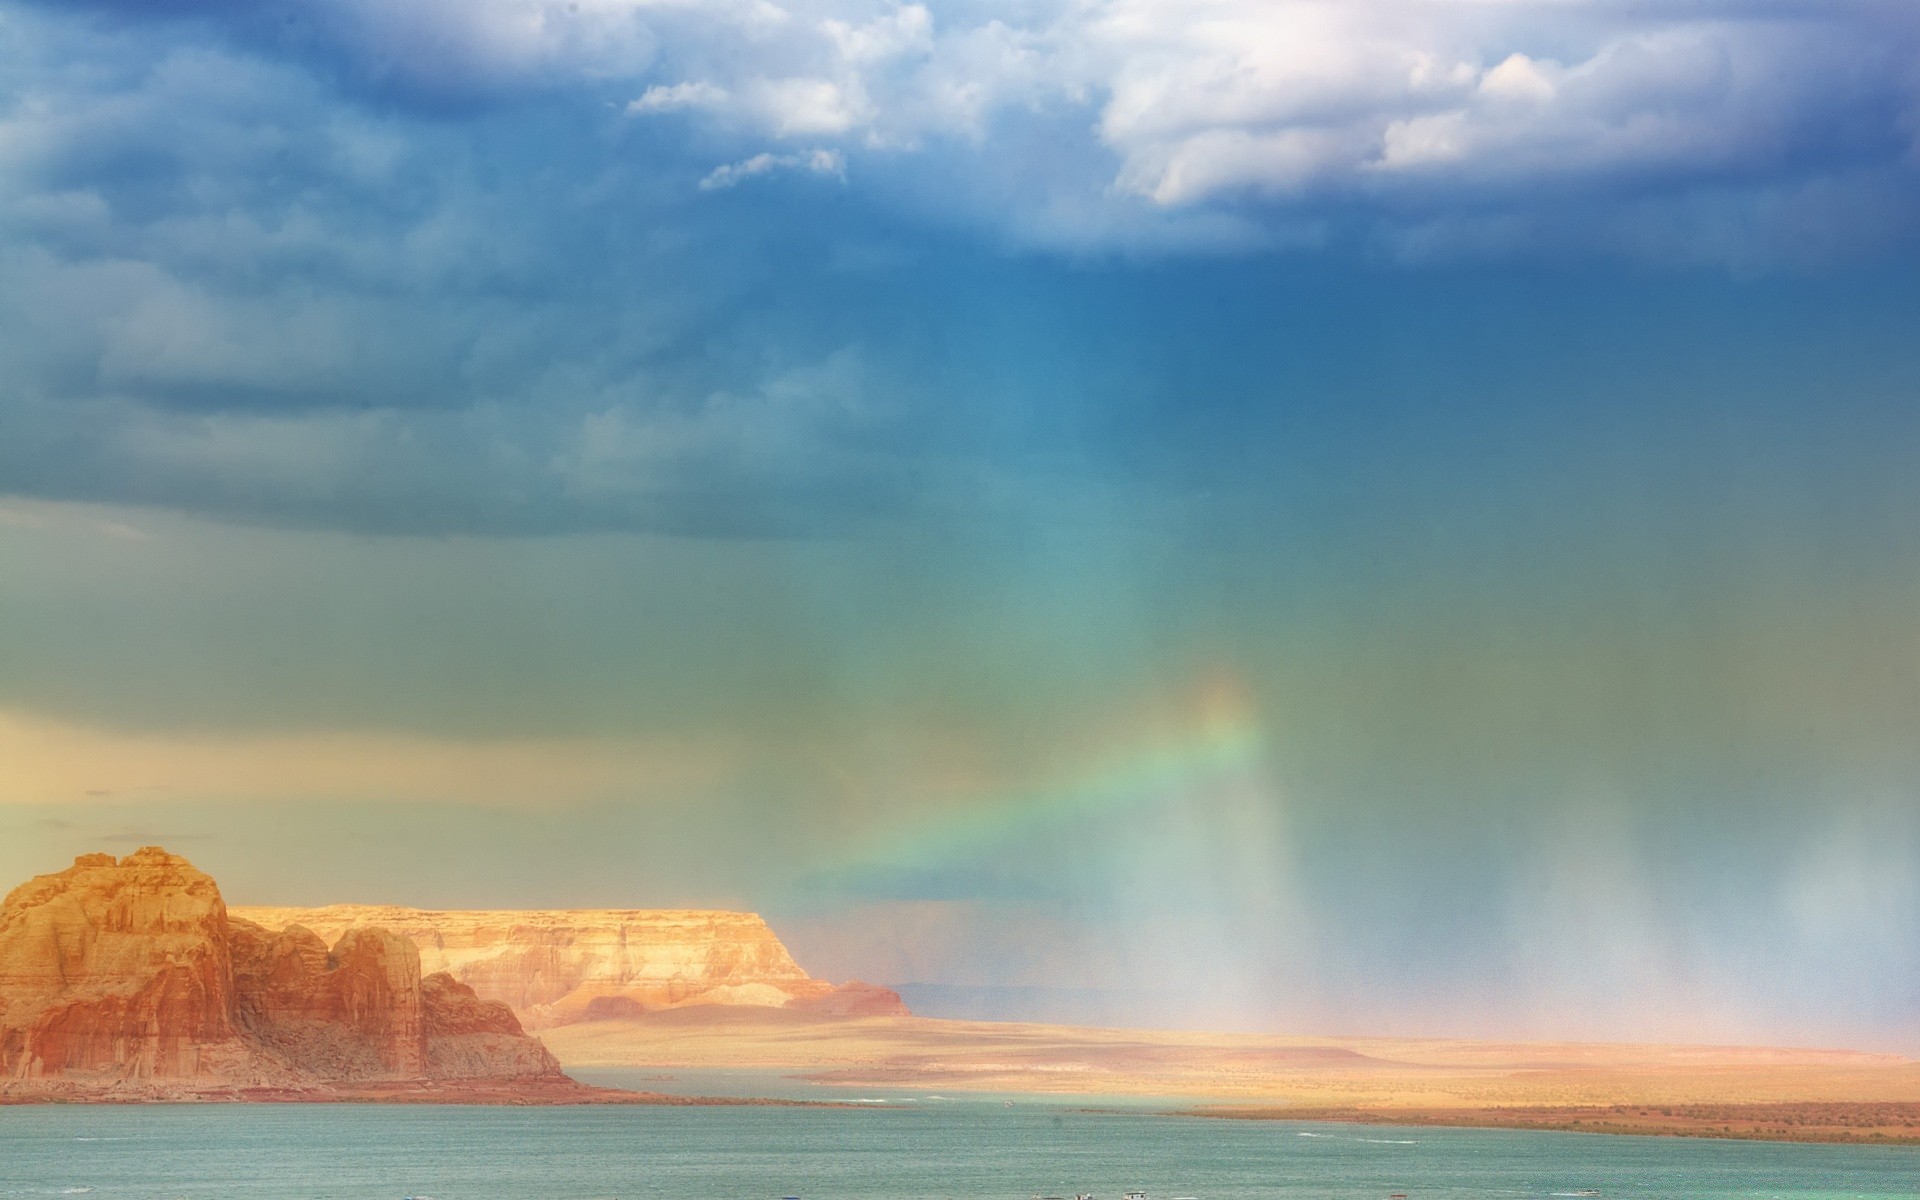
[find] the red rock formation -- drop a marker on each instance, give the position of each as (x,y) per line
(556,967)
(356,1012)
(131,970)
(471,1038)
(117,969)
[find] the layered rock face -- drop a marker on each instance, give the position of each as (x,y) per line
(353,1012)
(118,968)
(132,970)
(559,967)
(471,1038)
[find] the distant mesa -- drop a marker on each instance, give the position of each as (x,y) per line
(561,967)
(128,978)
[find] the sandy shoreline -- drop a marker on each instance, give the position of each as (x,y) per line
(1838,1124)
(1759,1093)
(1774,1093)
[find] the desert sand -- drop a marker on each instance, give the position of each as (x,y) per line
(1784,1094)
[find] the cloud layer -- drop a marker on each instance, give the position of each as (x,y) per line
(1428,124)
(527,264)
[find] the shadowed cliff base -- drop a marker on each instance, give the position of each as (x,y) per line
(1726,1091)
(563,1092)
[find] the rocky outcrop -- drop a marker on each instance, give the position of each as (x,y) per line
(556,967)
(471,1038)
(118,968)
(352,1012)
(125,972)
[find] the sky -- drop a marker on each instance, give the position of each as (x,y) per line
(1392,516)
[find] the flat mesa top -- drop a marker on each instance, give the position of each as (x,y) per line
(391,913)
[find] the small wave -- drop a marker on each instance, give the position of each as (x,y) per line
(75,1191)
(1335,1137)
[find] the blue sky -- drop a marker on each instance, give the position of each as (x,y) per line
(623,452)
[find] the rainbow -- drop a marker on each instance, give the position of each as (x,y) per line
(1215,738)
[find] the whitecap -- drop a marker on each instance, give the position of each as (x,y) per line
(1334,1137)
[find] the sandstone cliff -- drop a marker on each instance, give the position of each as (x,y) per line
(130,973)
(559,967)
(118,969)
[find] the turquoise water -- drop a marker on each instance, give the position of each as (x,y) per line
(931,1149)
(750,1083)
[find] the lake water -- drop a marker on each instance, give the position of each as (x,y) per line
(908,1147)
(899,1143)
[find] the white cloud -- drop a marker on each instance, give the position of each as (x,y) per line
(820,162)
(1421,106)
(1410,112)
(483,44)
(662,98)
(1389,97)
(809,106)
(1520,78)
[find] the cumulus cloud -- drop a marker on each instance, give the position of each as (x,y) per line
(1411,109)
(664,98)
(820,162)
(1406,112)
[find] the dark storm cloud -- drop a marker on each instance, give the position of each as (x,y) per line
(230,290)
